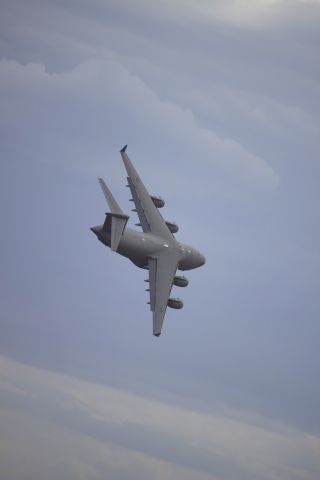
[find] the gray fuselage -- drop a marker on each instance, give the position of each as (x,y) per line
(140,246)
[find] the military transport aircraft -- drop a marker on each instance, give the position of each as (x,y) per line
(154,249)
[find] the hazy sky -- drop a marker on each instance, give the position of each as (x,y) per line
(219,102)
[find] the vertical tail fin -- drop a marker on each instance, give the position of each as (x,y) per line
(113,204)
(116,220)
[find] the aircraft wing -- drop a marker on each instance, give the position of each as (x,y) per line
(162,270)
(150,218)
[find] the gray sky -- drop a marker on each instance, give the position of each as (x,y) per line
(219,103)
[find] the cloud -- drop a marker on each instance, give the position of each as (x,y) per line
(88,430)
(246,13)
(237,98)
(219,104)
(96,96)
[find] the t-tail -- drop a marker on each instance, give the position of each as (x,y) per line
(116,219)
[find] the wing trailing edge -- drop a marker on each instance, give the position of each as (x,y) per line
(162,270)
(149,216)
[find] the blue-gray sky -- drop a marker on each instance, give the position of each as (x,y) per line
(219,103)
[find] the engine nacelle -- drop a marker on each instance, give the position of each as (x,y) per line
(175,303)
(158,201)
(180,281)
(173,227)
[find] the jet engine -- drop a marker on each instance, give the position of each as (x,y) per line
(158,201)
(180,281)
(173,227)
(175,303)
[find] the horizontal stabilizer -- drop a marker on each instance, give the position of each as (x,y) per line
(115,223)
(118,224)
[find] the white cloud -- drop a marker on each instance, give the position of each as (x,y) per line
(85,429)
(252,14)
(202,104)
(72,109)
(250,80)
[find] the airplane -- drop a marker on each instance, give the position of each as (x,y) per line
(154,249)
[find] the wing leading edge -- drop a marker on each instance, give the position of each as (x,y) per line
(162,270)
(149,216)
(162,266)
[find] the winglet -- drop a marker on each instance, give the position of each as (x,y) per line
(123,149)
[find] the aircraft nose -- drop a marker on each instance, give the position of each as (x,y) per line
(202,259)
